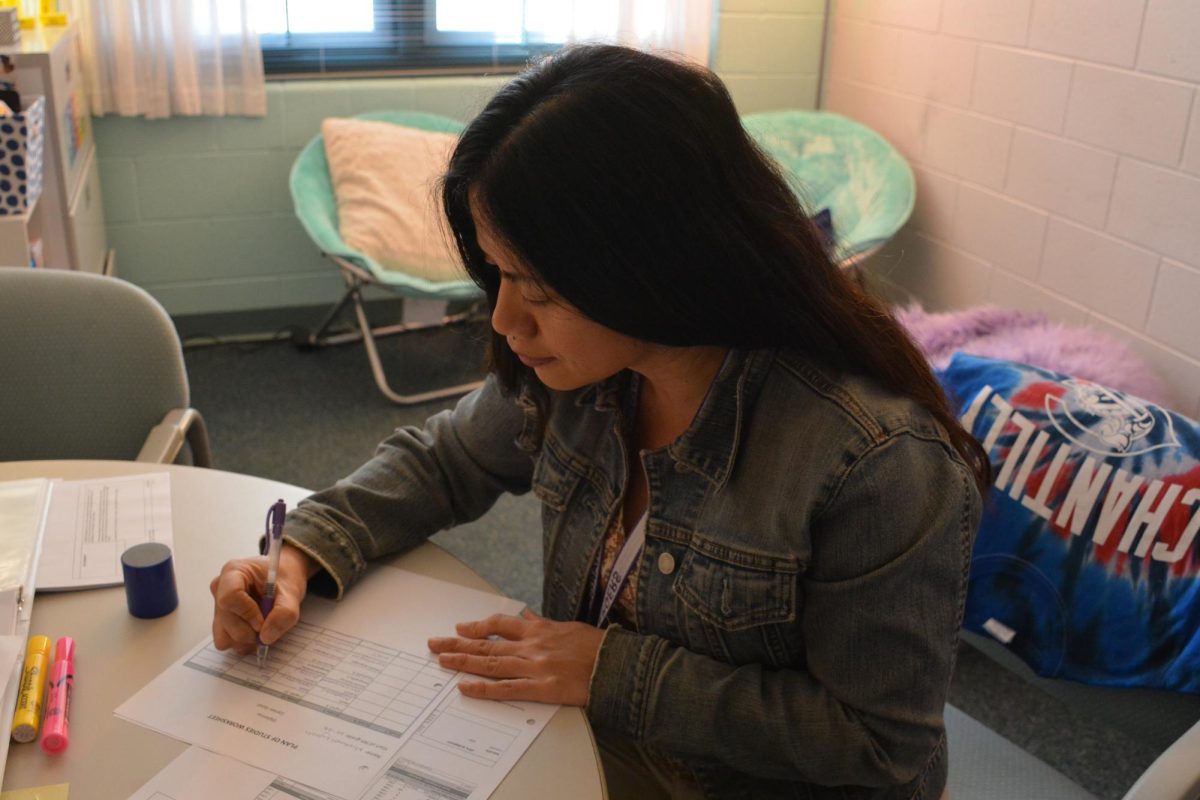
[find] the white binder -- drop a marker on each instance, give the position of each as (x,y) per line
(23,507)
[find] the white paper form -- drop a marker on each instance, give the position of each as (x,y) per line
(457,772)
(91,523)
(462,750)
(348,690)
(202,775)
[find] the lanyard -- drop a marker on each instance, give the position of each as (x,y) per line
(622,567)
(631,550)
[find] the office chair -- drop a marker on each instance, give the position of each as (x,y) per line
(91,368)
(986,766)
(844,167)
(316,208)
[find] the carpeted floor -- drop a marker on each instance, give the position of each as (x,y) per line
(310,417)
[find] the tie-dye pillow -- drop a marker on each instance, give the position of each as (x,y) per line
(1087,561)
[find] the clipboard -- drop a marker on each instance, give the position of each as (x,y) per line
(23,509)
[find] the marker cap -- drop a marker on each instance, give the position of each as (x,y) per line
(39,645)
(53,743)
(149,580)
(64,650)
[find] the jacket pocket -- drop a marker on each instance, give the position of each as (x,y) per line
(734,589)
(555,475)
(558,478)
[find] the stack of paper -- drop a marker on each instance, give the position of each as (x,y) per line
(89,524)
(71,534)
(66,535)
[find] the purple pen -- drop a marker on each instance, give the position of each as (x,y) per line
(273,544)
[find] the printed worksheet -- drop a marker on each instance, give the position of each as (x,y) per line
(462,750)
(351,703)
(201,775)
(90,523)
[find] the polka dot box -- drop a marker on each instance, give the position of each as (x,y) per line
(21,141)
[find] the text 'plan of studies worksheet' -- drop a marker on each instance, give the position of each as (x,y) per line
(351,699)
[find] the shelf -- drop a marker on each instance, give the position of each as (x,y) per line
(36,41)
(20,219)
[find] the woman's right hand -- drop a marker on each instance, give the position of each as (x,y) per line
(237,620)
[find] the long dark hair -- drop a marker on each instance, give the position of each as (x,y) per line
(627,183)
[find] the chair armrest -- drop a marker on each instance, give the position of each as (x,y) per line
(1174,775)
(167,437)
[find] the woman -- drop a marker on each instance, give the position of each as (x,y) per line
(676,361)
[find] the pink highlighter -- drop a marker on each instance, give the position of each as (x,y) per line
(56,729)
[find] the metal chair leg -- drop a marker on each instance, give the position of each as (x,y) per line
(355,280)
(368,338)
(316,338)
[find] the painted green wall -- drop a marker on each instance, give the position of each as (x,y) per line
(198,208)
(768,52)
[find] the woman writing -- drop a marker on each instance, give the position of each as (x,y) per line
(757,507)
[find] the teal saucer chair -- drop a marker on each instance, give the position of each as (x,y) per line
(841,165)
(316,207)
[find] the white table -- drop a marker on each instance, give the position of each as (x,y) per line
(216,516)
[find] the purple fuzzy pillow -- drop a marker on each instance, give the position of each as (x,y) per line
(1031,338)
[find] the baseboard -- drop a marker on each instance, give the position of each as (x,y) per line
(267,322)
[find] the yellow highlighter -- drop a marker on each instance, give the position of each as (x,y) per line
(33,690)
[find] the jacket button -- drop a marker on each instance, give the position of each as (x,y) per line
(666,563)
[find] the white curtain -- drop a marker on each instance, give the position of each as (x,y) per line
(157,58)
(677,26)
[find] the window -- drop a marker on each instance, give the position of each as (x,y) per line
(319,36)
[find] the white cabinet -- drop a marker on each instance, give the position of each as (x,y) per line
(68,218)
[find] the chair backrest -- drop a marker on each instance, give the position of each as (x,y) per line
(839,164)
(316,207)
(88,365)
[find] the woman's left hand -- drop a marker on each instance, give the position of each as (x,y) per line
(532,659)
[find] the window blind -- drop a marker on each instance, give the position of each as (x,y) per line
(314,37)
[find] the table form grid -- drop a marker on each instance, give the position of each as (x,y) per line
(404,778)
(283,789)
(351,679)
(453,730)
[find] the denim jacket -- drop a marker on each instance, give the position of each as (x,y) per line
(802,582)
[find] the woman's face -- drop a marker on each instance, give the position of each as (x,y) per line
(566,349)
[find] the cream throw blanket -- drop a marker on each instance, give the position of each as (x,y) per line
(385,180)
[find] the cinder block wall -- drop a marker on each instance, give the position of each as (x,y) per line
(768,52)
(198,208)
(1056,146)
